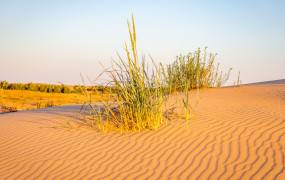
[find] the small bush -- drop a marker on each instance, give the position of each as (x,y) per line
(56,89)
(43,88)
(4,85)
(65,89)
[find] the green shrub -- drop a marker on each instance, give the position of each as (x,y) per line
(49,88)
(4,85)
(65,89)
(56,89)
(43,88)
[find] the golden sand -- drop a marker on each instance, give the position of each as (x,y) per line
(237,133)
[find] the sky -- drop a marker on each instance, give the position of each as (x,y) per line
(55,40)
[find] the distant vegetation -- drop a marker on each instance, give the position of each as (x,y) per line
(49,88)
(25,96)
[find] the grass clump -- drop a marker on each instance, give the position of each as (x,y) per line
(139,96)
(193,71)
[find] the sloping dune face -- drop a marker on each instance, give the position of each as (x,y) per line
(236,133)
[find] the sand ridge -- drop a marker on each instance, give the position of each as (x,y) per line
(237,133)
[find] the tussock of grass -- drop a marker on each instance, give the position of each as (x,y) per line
(194,70)
(139,97)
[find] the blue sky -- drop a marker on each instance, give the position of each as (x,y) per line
(54,41)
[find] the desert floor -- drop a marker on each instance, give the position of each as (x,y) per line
(236,133)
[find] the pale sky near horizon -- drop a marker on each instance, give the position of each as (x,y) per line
(54,40)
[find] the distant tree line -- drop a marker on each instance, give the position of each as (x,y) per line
(49,88)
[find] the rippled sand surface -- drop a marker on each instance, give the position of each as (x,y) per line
(236,133)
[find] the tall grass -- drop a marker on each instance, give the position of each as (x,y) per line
(194,70)
(238,82)
(139,94)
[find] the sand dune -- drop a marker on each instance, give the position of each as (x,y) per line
(237,133)
(280,81)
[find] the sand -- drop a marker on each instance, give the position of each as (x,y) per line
(237,133)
